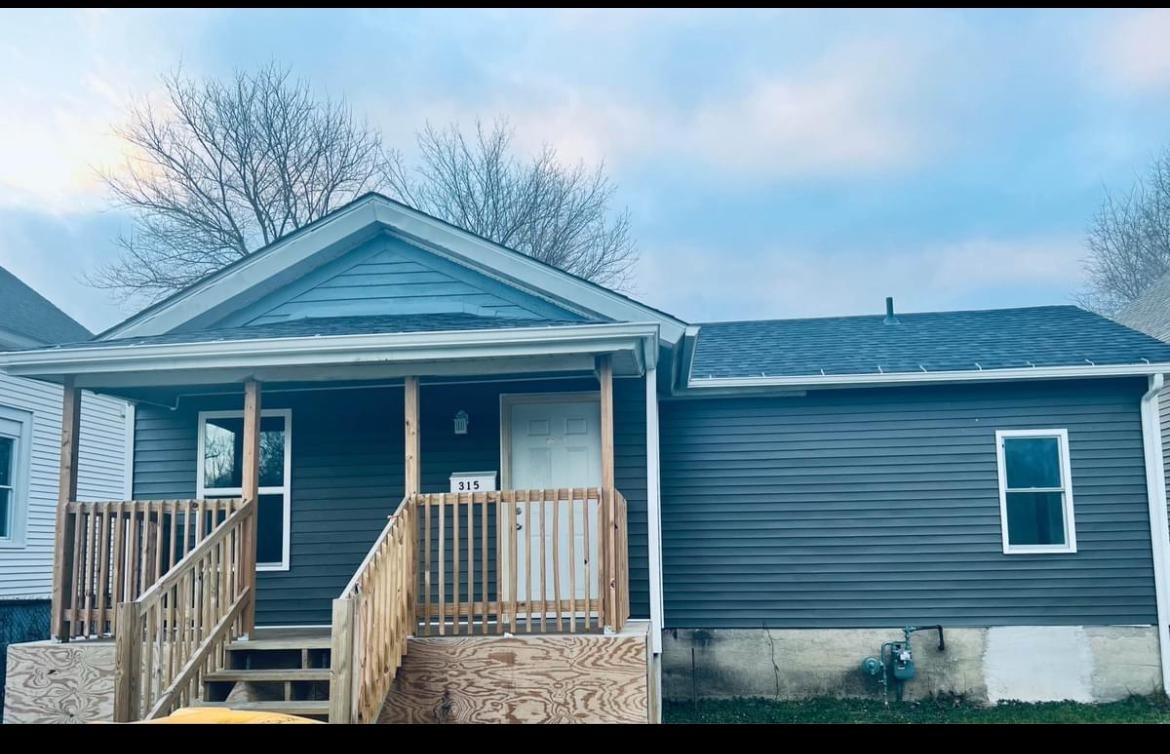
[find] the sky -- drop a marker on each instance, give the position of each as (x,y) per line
(774,163)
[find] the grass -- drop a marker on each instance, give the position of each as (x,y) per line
(1136,709)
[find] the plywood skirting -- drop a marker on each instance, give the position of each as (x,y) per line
(60,683)
(523,679)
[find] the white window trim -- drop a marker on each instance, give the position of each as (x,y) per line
(202,492)
(21,470)
(1070,527)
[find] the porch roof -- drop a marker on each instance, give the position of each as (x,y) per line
(344,348)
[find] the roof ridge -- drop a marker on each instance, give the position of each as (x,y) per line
(881,315)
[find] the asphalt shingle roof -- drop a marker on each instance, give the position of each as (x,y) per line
(944,341)
(324,326)
(25,312)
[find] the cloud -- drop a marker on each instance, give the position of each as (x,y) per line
(1135,49)
(845,115)
(847,112)
(698,283)
(68,79)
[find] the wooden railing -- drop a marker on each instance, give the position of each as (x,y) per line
(562,564)
(178,629)
(120,549)
(372,620)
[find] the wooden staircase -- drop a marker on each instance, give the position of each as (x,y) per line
(280,670)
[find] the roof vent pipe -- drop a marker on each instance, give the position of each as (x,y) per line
(890,318)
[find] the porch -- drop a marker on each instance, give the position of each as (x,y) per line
(179,587)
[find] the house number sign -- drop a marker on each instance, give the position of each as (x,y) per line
(473,481)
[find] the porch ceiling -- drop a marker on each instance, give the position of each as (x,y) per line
(111,366)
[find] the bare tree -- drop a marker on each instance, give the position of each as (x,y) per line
(1129,241)
(558,214)
(223,168)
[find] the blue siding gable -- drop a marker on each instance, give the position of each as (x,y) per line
(389,276)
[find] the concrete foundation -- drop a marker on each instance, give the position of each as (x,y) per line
(49,682)
(1028,663)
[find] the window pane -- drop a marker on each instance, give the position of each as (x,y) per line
(272,451)
(270,534)
(223,450)
(7,444)
(1032,462)
(5,513)
(1035,518)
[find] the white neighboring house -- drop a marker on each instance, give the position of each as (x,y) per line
(30,437)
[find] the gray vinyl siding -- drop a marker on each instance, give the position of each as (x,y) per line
(880,507)
(387,276)
(347,473)
(26,571)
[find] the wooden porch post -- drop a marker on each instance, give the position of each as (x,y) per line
(127,664)
(413,461)
(609,542)
(250,481)
(67,493)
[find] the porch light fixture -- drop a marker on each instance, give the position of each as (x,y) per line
(461,420)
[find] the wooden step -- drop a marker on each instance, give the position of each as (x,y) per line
(264,645)
(302,708)
(268,675)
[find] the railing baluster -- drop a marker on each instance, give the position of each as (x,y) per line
(103,568)
(186,527)
(528,590)
(572,561)
(470,562)
(174,507)
(78,595)
(455,500)
(442,569)
(483,554)
(426,501)
(543,558)
(556,556)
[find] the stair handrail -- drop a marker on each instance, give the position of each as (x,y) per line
(178,629)
(372,620)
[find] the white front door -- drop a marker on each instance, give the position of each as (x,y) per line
(554,444)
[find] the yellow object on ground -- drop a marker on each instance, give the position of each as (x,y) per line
(225,716)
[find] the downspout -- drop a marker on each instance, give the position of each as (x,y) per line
(1159,528)
(654,537)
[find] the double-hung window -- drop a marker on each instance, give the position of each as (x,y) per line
(15,441)
(1035,491)
(220,469)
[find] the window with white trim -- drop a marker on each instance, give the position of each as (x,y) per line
(15,428)
(220,470)
(1035,491)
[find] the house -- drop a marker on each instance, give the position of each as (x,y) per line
(387,470)
(30,428)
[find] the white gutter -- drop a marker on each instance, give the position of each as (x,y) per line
(329,349)
(1159,528)
(971,375)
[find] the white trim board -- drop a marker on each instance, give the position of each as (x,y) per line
(638,340)
(21,422)
(285,489)
(902,378)
(376,212)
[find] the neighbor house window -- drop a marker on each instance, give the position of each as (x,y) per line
(1035,491)
(221,455)
(15,427)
